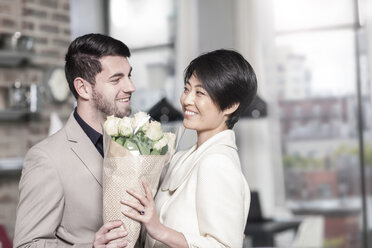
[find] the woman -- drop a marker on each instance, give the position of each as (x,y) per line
(204,199)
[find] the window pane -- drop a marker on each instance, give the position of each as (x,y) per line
(141,23)
(147,27)
(309,14)
(316,78)
(316,63)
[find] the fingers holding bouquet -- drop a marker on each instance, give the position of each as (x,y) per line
(146,212)
(145,207)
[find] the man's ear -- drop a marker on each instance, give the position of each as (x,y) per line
(231,109)
(83,88)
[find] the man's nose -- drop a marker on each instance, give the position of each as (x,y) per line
(128,85)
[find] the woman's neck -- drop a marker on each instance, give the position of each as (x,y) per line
(205,135)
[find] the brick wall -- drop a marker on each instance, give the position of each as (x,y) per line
(48,21)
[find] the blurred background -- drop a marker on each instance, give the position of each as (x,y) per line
(305,143)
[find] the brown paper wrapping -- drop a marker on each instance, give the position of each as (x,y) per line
(121,171)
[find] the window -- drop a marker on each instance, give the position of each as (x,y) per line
(315,43)
(147,27)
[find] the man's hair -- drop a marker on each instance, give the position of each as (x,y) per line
(83,55)
(227,77)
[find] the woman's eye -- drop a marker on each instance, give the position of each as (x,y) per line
(200,93)
(185,89)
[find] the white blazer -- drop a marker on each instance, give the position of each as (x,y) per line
(204,195)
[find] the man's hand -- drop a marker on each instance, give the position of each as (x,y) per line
(104,236)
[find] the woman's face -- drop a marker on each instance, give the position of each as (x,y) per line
(200,112)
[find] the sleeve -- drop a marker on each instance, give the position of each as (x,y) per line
(222,196)
(41,202)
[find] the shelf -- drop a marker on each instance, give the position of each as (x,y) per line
(14,114)
(10,167)
(8,164)
(11,58)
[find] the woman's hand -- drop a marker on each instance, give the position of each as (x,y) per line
(146,212)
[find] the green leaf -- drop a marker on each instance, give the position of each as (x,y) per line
(121,140)
(155,152)
(144,150)
(164,150)
(130,145)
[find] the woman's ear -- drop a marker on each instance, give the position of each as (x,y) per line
(83,88)
(231,109)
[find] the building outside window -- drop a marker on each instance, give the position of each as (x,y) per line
(317,61)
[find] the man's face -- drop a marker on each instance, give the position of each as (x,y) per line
(113,88)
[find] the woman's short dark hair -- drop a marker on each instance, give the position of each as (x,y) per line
(227,77)
(82,57)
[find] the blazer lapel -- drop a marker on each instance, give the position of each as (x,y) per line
(84,149)
(182,165)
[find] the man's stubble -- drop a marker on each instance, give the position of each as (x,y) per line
(109,107)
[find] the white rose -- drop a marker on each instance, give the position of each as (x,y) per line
(139,120)
(145,127)
(111,125)
(171,137)
(125,126)
(161,143)
(154,131)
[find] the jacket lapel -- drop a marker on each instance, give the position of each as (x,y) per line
(181,166)
(84,149)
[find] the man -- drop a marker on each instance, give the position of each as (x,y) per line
(61,185)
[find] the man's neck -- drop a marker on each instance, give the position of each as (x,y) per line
(92,117)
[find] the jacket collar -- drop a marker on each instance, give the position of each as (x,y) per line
(83,147)
(183,162)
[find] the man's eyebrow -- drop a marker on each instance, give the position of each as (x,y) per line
(117,75)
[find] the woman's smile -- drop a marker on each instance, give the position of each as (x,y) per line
(189,113)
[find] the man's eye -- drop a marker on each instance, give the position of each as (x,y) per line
(115,81)
(200,93)
(185,89)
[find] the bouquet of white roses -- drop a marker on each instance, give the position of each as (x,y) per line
(136,149)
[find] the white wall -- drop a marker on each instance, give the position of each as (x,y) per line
(86,17)
(216,24)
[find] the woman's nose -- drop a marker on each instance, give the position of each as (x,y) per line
(188,98)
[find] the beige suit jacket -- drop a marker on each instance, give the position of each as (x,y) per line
(60,191)
(205,196)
